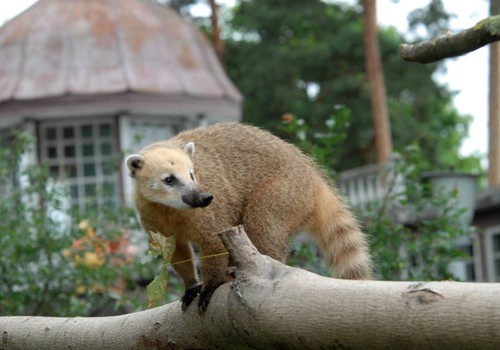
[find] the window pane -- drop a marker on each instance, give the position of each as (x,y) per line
(471,274)
(89,190)
(54,171)
(105,129)
(51,133)
(69,151)
(52,152)
(497,270)
(108,168)
(68,132)
(74,191)
(89,169)
(496,242)
(88,150)
(106,149)
(109,189)
(70,171)
(86,131)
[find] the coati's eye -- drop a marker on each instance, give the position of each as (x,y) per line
(169,180)
(191,175)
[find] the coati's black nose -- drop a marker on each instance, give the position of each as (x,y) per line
(206,199)
(197,199)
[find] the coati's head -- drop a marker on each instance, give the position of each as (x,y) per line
(165,175)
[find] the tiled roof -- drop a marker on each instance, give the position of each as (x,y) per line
(81,47)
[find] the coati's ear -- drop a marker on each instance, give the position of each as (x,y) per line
(189,149)
(134,162)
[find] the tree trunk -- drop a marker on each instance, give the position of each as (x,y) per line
(382,126)
(273,306)
(218,43)
(494,107)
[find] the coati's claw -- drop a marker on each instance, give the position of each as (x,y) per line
(231,272)
(189,295)
(206,295)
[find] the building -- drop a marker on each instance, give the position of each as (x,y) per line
(487,220)
(93,79)
(370,183)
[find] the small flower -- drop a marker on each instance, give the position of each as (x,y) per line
(83,225)
(67,253)
(287,117)
(92,260)
(80,290)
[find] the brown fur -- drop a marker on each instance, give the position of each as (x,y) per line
(257,180)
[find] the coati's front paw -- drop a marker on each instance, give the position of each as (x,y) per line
(206,295)
(189,295)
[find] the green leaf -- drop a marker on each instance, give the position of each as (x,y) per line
(161,245)
(156,290)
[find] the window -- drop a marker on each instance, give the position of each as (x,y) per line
(494,247)
(144,132)
(465,268)
(83,154)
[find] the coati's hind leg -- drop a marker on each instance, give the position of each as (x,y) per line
(272,216)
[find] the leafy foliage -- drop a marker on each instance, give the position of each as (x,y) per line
(322,145)
(433,18)
(304,57)
(57,262)
(163,247)
(422,246)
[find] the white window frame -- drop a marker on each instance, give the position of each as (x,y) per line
(102,174)
(475,260)
(491,255)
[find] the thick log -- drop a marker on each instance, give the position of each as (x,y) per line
(273,306)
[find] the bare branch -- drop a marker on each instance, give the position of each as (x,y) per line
(451,45)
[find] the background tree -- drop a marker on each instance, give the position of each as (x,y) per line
(305,57)
(445,45)
(215,31)
(494,107)
(433,19)
(380,113)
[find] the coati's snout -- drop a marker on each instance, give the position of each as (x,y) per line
(197,199)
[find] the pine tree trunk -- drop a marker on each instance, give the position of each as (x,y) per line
(382,126)
(494,107)
(217,41)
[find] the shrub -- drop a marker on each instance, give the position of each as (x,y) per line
(55,261)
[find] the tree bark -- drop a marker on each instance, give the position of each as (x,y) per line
(273,306)
(494,108)
(382,125)
(451,45)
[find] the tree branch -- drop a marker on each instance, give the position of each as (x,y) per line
(273,306)
(451,45)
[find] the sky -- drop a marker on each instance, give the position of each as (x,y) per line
(467,75)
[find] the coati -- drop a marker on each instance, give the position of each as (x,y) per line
(205,180)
